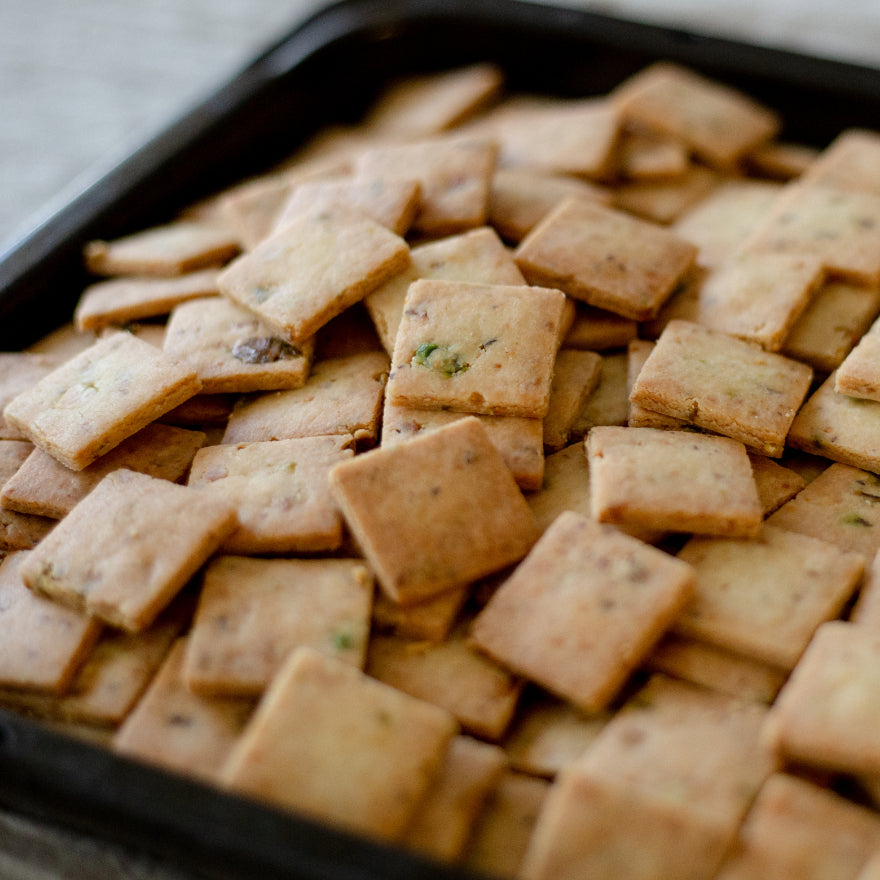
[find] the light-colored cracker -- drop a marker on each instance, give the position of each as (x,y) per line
(859,374)
(476,348)
(716,668)
(521,197)
(480,694)
(13,454)
(608,404)
(444,822)
(45,487)
(759,296)
(833,322)
(582,610)
(311,270)
(62,343)
(605,258)
(19,371)
(827,713)
(566,486)
(121,300)
(664,201)
(128,548)
(850,162)
(152,333)
(766,596)
(424,533)
(776,484)
(646,155)
(432,619)
(519,440)
(253,612)
(723,384)
(455,174)
(172,249)
(22,531)
(330,742)
(780,160)
(638,351)
(719,123)
(42,644)
(94,401)
(575,377)
(280,492)
(179,730)
(838,427)
(477,255)
(672,481)
(232,351)
(597,330)
(798,829)
(682,305)
(343,396)
(677,763)
(841,228)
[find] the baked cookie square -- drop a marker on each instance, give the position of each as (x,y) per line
(93,402)
(19,371)
(311,270)
(673,481)
(582,610)
(606,258)
(477,348)
(435,513)
(859,374)
(575,377)
(723,384)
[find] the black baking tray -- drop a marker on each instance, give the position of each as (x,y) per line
(327,70)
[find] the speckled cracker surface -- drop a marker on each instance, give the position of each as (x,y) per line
(672,480)
(478,348)
(724,384)
(114,554)
(605,257)
(173,249)
(434,513)
(232,350)
(579,613)
(91,403)
(280,492)
(311,270)
(45,487)
(342,396)
(330,742)
(253,612)
(766,596)
(42,643)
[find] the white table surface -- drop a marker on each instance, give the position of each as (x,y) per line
(82,82)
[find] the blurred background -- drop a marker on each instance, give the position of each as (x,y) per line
(82,82)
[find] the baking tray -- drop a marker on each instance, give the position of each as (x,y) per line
(326,70)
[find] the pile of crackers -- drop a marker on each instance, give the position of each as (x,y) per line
(496,478)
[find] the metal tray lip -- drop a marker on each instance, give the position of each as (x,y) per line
(42,772)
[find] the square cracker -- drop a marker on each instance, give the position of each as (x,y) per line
(121,300)
(19,371)
(674,481)
(850,162)
(253,612)
(454,171)
(179,730)
(678,763)
(723,384)
(581,611)
(22,531)
(311,270)
(841,228)
(519,440)
(605,257)
(758,296)
(859,374)
(330,742)
(776,484)
(664,201)
(719,123)
(481,694)
(477,348)
(431,620)
(172,249)
(608,404)
(45,487)
(598,330)
(232,350)
(827,713)
(838,427)
(128,548)
(343,396)
(42,643)
(435,513)
(280,492)
(103,395)
(766,596)
(477,255)
(637,352)
(833,322)
(575,377)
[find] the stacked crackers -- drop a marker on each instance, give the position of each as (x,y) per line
(496,478)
